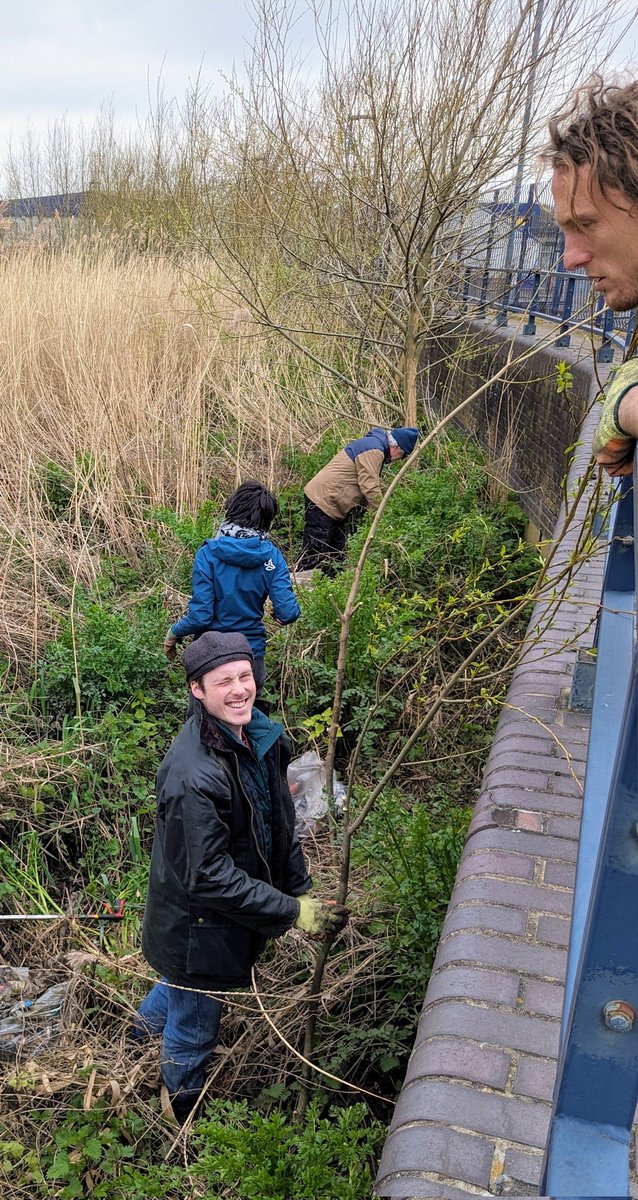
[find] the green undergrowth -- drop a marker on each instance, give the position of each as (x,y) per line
(237,1153)
(447,567)
(86,731)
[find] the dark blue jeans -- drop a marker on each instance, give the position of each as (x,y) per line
(189,1024)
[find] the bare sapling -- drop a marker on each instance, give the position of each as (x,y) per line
(550,587)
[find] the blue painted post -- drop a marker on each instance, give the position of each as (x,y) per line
(615,638)
(605,352)
(501,316)
(523,249)
(597,1084)
(559,274)
(595,1101)
(466,289)
(480,315)
(529,328)
(568,305)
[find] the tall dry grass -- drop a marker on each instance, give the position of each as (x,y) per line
(101,382)
(121,387)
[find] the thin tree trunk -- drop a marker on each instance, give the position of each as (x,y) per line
(410,367)
(345,618)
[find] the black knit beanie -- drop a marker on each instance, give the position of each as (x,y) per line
(213,650)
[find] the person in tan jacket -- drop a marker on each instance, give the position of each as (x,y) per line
(351,479)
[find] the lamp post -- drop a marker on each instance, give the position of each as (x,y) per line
(349,134)
(501,318)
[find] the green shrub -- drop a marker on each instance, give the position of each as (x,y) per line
(444,567)
(190,530)
(407,856)
(241,1155)
(58,486)
(101,658)
(251,1156)
(109,1157)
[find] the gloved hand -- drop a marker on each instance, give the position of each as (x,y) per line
(319,917)
(170,642)
(615,447)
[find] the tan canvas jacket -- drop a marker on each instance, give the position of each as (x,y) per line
(343,483)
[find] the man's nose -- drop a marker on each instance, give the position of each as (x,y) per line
(576,253)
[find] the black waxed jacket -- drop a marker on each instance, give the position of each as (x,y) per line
(213,900)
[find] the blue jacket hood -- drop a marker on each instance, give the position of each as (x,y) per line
(242,552)
(232,579)
(374,439)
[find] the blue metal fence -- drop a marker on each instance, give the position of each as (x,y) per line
(537,285)
(597,1083)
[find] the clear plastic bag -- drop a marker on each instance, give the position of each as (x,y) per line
(31,1024)
(307,783)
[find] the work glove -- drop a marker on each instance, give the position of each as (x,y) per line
(610,438)
(319,917)
(170,642)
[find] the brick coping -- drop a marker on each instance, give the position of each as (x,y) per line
(473,1114)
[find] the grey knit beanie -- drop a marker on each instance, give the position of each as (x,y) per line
(213,650)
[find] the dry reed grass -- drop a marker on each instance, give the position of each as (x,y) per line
(137,384)
(121,387)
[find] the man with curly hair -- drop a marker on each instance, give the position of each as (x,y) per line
(593,151)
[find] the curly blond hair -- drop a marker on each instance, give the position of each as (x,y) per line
(598,128)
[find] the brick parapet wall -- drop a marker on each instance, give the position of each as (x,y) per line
(523,422)
(473,1115)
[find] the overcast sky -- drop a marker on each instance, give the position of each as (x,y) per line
(75,56)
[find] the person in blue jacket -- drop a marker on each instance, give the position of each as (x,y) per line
(235,573)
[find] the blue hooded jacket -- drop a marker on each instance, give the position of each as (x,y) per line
(232,579)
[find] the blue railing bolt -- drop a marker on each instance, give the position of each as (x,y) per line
(619,1016)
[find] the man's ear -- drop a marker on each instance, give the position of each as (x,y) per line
(196,689)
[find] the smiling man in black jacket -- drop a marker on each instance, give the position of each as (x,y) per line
(227,870)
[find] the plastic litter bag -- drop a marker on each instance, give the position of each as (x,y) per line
(307,783)
(30,1024)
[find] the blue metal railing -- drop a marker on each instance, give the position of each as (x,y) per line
(558,296)
(511,262)
(596,1091)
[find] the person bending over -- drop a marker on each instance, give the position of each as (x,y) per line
(351,479)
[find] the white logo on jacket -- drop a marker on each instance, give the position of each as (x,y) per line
(269,565)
